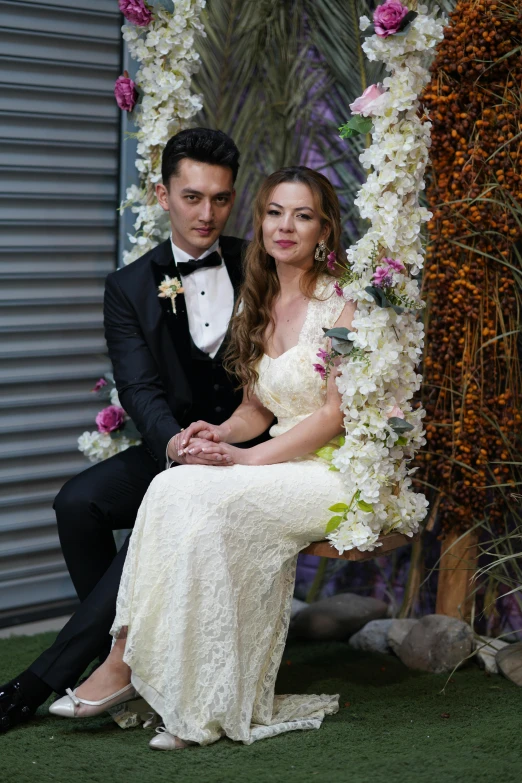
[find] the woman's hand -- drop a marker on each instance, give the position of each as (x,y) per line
(220,453)
(200,429)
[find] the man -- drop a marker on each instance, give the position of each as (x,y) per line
(167,358)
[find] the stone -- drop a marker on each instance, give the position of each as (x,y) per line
(297,606)
(337,617)
(373,637)
(509,661)
(486,651)
(437,644)
(398,630)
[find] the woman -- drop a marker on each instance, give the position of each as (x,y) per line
(204,601)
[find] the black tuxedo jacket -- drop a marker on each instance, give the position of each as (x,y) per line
(150,347)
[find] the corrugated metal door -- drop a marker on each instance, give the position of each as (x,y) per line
(59,149)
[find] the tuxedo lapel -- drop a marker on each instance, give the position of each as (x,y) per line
(176,323)
(232,251)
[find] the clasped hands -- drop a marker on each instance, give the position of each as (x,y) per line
(203,444)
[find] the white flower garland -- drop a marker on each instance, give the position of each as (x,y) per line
(379,379)
(168,59)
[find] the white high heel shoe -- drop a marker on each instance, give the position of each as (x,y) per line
(166,741)
(67,706)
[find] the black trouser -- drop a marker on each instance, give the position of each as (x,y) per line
(90,506)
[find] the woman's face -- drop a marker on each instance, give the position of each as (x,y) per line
(292,226)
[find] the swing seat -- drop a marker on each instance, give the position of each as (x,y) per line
(388,542)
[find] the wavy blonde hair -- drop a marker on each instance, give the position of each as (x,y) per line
(253,321)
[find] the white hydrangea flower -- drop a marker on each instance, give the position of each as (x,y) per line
(98,446)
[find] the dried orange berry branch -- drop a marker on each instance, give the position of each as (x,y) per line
(472,366)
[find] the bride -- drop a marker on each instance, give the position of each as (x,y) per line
(204,600)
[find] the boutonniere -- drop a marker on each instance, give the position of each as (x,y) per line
(169,289)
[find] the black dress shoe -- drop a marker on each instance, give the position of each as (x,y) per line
(14,708)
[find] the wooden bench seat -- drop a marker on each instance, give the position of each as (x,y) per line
(389,542)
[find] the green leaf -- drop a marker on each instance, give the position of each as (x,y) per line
(399,425)
(130,430)
(343,347)
(342,440)
(408,19)
(357,125)
(333,524)
(380,298)
(326,452)
(338,331)
(339,507)
(340,340)
(401,441)
(332,467)
(364,506)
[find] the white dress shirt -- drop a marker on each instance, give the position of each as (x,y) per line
(209,296)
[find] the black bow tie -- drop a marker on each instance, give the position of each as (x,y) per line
(187,267)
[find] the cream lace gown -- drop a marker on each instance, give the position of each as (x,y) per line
(208,582)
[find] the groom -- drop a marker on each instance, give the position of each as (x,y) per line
(167,359)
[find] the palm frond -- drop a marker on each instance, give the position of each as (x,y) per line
(278,76)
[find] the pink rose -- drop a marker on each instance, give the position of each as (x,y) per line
(396,412)
(125,92)
(110,419)
(388,17)
(135,11)
(369,102)
(99,385)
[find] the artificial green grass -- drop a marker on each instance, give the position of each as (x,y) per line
(394,726)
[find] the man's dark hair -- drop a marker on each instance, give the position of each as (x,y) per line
(201,144)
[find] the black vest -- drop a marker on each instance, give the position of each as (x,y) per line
(214,398)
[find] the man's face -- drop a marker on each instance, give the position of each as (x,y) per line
(199,200)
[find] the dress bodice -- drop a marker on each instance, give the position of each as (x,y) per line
(288,385)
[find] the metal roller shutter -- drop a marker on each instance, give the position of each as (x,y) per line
(59,152)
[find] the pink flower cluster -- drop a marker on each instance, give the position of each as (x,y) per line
(136,12)
(125,92)
(388,17)
(383,275)
(99,385)
(321,368)
(331,260)
(110,419)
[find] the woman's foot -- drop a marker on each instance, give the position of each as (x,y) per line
(108,678)
(166,741)
(107,686)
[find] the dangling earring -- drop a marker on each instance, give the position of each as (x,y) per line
(320,251)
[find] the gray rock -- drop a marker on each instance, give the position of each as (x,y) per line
(397,632)
(337,617)
(509,661)
(436,644)
(487,649)
(297,606)
(373,637)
